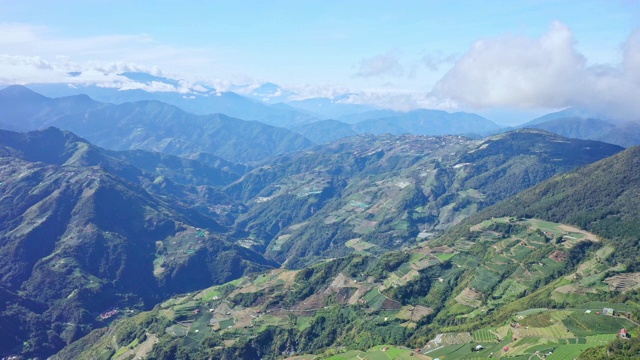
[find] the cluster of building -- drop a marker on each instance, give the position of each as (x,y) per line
(108,314)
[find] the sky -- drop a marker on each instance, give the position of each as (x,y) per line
(508,60)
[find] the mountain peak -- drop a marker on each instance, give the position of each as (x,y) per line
(20,91)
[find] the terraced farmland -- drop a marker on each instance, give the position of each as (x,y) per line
(484,335)
(381,352)
(517,261)
(583,324)
(568,352)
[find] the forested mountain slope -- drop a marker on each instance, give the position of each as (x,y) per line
(387,191)
(82,233)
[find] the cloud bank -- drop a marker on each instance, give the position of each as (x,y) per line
(380,65)
(27,48)
(512,72)
(547,72)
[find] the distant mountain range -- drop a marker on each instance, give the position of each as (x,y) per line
(301,116)
(325,108)
(580,124)
(149,125)
(23,109)
(417,122)
(227,137)
(323,119)
(209,101)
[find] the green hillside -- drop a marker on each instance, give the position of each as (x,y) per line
(392,191)
(512,287)
(601,198)
(83,233)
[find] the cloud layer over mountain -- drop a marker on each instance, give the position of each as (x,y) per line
(515,72)
(544,72)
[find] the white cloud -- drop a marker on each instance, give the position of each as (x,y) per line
(34,69)
(15,34)
(631,61)
(507,72)
(307,91)
(380,65)
(436,60)
(16,69)
(400,100)
(107,53)
(387,96)
(547,72)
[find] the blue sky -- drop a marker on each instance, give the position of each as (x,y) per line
(403,54)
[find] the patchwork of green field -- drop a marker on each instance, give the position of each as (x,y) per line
(227,324)
(583,324)
(547,266)
(568,351)
(268,320)
(601,339)
(380,352)
(456,338)
(212,294)
(523,346)
(530,312)
(359,245)
(485,280)
(121,351)
(468,350)
(509,290)
(178,248)
(445,257)
(521,254)
(500,263)
(198,331)
(547,226)
(599,305)
(303,322)
(555,331)
(186,311)
(349,355)
(541,319)
(524,253)
(374,299)
(173,302)
(484,335)
(466,261)
(279,241)
(177,330)
(403,269)
(563,333)
(469,297)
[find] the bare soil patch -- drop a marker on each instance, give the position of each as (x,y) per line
(313,302)
(587,235)
(624,282)
(558,256)
(469,297)
(419,312)
(575,289)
